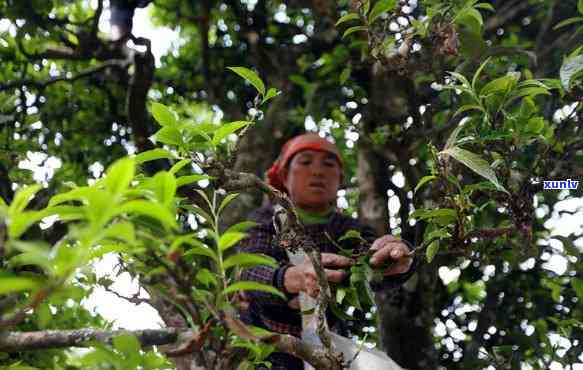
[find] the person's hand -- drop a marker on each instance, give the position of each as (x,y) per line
(387,248)
(302,277)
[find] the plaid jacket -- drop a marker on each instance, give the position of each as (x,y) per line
(272,312)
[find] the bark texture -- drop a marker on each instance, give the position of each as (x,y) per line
(406,314)
(30,341)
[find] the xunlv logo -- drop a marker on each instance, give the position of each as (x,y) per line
(564,184)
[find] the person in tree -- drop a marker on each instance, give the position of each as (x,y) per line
(309,169)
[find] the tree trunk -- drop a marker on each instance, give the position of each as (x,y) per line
(406,314)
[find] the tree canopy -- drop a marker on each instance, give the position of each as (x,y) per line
(450,115)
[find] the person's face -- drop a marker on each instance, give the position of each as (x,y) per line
(312,180)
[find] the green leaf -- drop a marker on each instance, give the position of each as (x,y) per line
(501,84)
(227,129)
(350,234)
(439,233)
(22,197)
(179,165)
(346,18)
(577,284)
(119,176)
(381,7)
(479,72)
(535,125)
(424,180)
(206,277)
(465,108)
(570,68)
(123,231)
(423,214)
(164,186)
(340,294)
(32,254)
(431,251)
(241,226)
(68,213)
(152,155)
(201,212)
(203,129)
(228,199)
(486,6)
(185,180)
(352,297)
(185,239)
(149,209)
(163,115)
(33,258)
(251,77)
(365,6)
(168,135)
(126,344)
(568,244)
(43,315)
(531,91)
(474,292)
(227,240)
(12,283)
(460,78)
(451,140)
(248,260)
(104,249)
(345,74)
(471,18)
(271,93)
(251,285)
(354,29)
(580,6)
(475,163)
(567,22)
(81,193)
(20,222)
(202,251)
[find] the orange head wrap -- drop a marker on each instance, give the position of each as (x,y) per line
(293,146)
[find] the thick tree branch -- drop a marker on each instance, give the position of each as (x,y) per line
(96,17)
(36,340)
(185,340)
(317,356)
(139,85)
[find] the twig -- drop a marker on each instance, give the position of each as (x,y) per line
(193,344)
(315,355)
(292,236)
(19,315)
(135,299)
